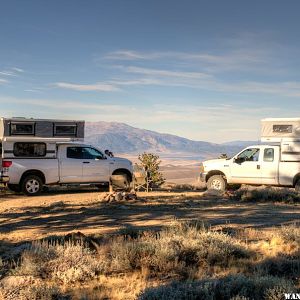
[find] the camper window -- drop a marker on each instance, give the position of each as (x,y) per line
(283,128)
(29,149)
(21,128)
(65,130)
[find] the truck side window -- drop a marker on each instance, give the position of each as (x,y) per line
(91,153)
(269,154)
(84,153)
(74,152)
(24,149)
(250,154)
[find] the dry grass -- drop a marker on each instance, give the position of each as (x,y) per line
(184,261)
(266,194)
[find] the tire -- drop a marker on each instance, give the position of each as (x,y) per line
(32,185)
(125,181)
(14,188)
(216,182)
(297,186)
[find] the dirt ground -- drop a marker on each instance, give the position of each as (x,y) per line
(60,212)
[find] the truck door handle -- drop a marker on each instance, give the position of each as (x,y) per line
(258,167)
(86,162)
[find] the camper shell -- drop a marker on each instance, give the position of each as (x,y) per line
(19,137)
(284,132)
(24,128)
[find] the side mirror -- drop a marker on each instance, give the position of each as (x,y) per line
(108,153)
(238,160)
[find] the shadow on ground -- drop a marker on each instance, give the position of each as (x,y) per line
(151,212)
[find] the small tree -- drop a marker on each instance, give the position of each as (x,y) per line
(150,163)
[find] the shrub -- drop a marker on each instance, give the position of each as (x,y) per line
(176,249)
(67,262)
(281,267)
(267,194)
(180,291)
(236,287)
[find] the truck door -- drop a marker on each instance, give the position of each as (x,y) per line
(269,165)
(95,165)
(245,167)
(70,164)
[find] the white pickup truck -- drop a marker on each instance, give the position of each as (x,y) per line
(67,163)
(255,165)
(277,163)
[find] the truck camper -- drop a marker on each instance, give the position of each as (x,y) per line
(275,162)
(39,152)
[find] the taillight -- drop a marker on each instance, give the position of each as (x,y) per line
(6,163)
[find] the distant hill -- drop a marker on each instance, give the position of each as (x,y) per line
(122,138)
(241,143)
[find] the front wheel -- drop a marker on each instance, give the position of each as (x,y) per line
(297,186)
(216,182)
(32,185)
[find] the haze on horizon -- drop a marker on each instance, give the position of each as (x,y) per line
(202,70)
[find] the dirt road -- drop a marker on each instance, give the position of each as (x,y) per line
(58,213)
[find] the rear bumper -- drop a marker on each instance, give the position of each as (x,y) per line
(3,178)
(202,177)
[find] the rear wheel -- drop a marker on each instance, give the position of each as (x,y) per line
(297,186)
(14,187)
(216,182)
(32,185)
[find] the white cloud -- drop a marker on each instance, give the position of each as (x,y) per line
(2,81)
(99,87)
(19,70)
(166,73)
(11,72)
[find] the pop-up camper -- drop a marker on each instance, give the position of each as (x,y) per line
(286,133)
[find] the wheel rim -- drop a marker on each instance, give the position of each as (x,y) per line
(216,184)
(32,186)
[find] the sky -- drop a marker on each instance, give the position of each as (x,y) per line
(205,70)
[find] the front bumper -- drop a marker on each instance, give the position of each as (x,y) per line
(202,176)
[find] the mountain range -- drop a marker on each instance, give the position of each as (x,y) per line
(122,138)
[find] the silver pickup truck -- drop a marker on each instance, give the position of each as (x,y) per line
(35,153)
(72,163)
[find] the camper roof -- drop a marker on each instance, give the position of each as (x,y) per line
(281,119)
(23,119)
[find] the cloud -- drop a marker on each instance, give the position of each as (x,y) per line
(232,59)
(19,70)
(166,73)
(99,87)
(11,72)
(2,81)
